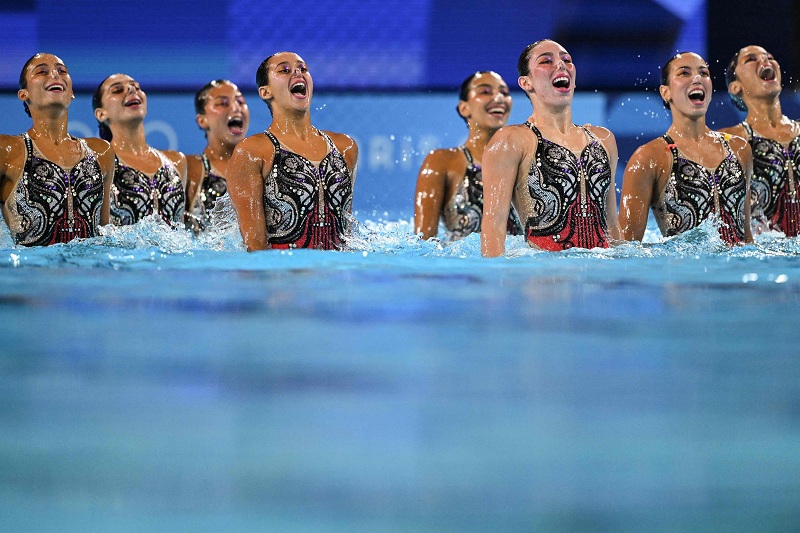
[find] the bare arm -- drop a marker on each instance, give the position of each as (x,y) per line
(194,180)
(638,184)
(245,179)
(349,149)
(502,159)
(105,156)
(745,154)
(429,195)
(610,144)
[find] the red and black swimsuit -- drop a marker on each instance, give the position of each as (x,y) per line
(568,195)
(306,206)
(51,204)
(693,193)
(774,186)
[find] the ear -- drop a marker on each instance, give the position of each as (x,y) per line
(665,94)
(100,114)
(264,93)
(735,88)
(22,94)
(524,83)
(202,121)
(463,109)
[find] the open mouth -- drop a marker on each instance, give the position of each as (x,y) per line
(561,82)
(767,73)
(133,102)
(698,96)
(236,126)
(497,111)
(57,88)
(298,88)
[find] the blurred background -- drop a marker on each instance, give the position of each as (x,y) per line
(387,72)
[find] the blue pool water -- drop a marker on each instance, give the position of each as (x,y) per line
(153,382)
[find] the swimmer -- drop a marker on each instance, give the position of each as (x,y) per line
(292,185)
(559,176)
(754,85)
(146,180)
(53,187)
(222,113)
(691,172)
(450,185)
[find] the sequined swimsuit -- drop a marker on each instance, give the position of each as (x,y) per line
(51,204)
(693,193)
(563,201)
(463,212)
(774,184)
(214,186)
(136,195)
(306,206)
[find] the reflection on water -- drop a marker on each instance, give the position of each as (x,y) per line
(400,386)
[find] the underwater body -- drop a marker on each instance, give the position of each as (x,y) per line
(155,380)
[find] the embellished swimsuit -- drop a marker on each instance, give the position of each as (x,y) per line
(51,204)
(563,201)
(462,214)
(774,184)
(214,186)
(136,195)
(693,193)
(306,206)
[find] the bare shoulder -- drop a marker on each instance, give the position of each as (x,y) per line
(514,138)
(604,134)
(257,146)
(443,157)
(99,146)
(736,142)
(176,157)
(737,129)
(194,164)
(342,141)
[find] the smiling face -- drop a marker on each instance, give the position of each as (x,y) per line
(687,84)
(487,102)
(289,84)
(121,99)
(225,116)
(45,81)
(756,74)
(551,74)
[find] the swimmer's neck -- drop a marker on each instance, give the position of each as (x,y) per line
(765,112)
(553,119)
(53,127)
(477,139)
(218,151)
(293,126)
(130,139)
(690,128)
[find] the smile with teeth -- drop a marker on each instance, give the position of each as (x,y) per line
(133,102)
(298,88)
(697,95)
(561,82)
(497,110)
(57,87)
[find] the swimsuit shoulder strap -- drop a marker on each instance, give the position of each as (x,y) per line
(748,130)
(206,163)
(467,154)
(274,140)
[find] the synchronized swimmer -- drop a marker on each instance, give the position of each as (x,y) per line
(292,185)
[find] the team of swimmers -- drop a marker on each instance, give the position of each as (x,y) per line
(292,185)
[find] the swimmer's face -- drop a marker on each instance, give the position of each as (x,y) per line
(226,116)
(688,88)
(488,103)
(552,73)
(757,73)
(290,82)
(47,82)
(122,100)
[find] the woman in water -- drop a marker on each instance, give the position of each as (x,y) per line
(292,185)
(559,176)
(53,187)
(223,115)
(691,172)
(146,180)
(449,184)
(754,85)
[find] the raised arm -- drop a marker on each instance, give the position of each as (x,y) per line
(246,188)
(638,185)
(429,195)
(502,160)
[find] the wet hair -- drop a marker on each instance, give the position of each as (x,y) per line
(730,77)
(524,58)
(262,76)
(665,70)
(463,91)
(97,102)
(201,97)
(23,78)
